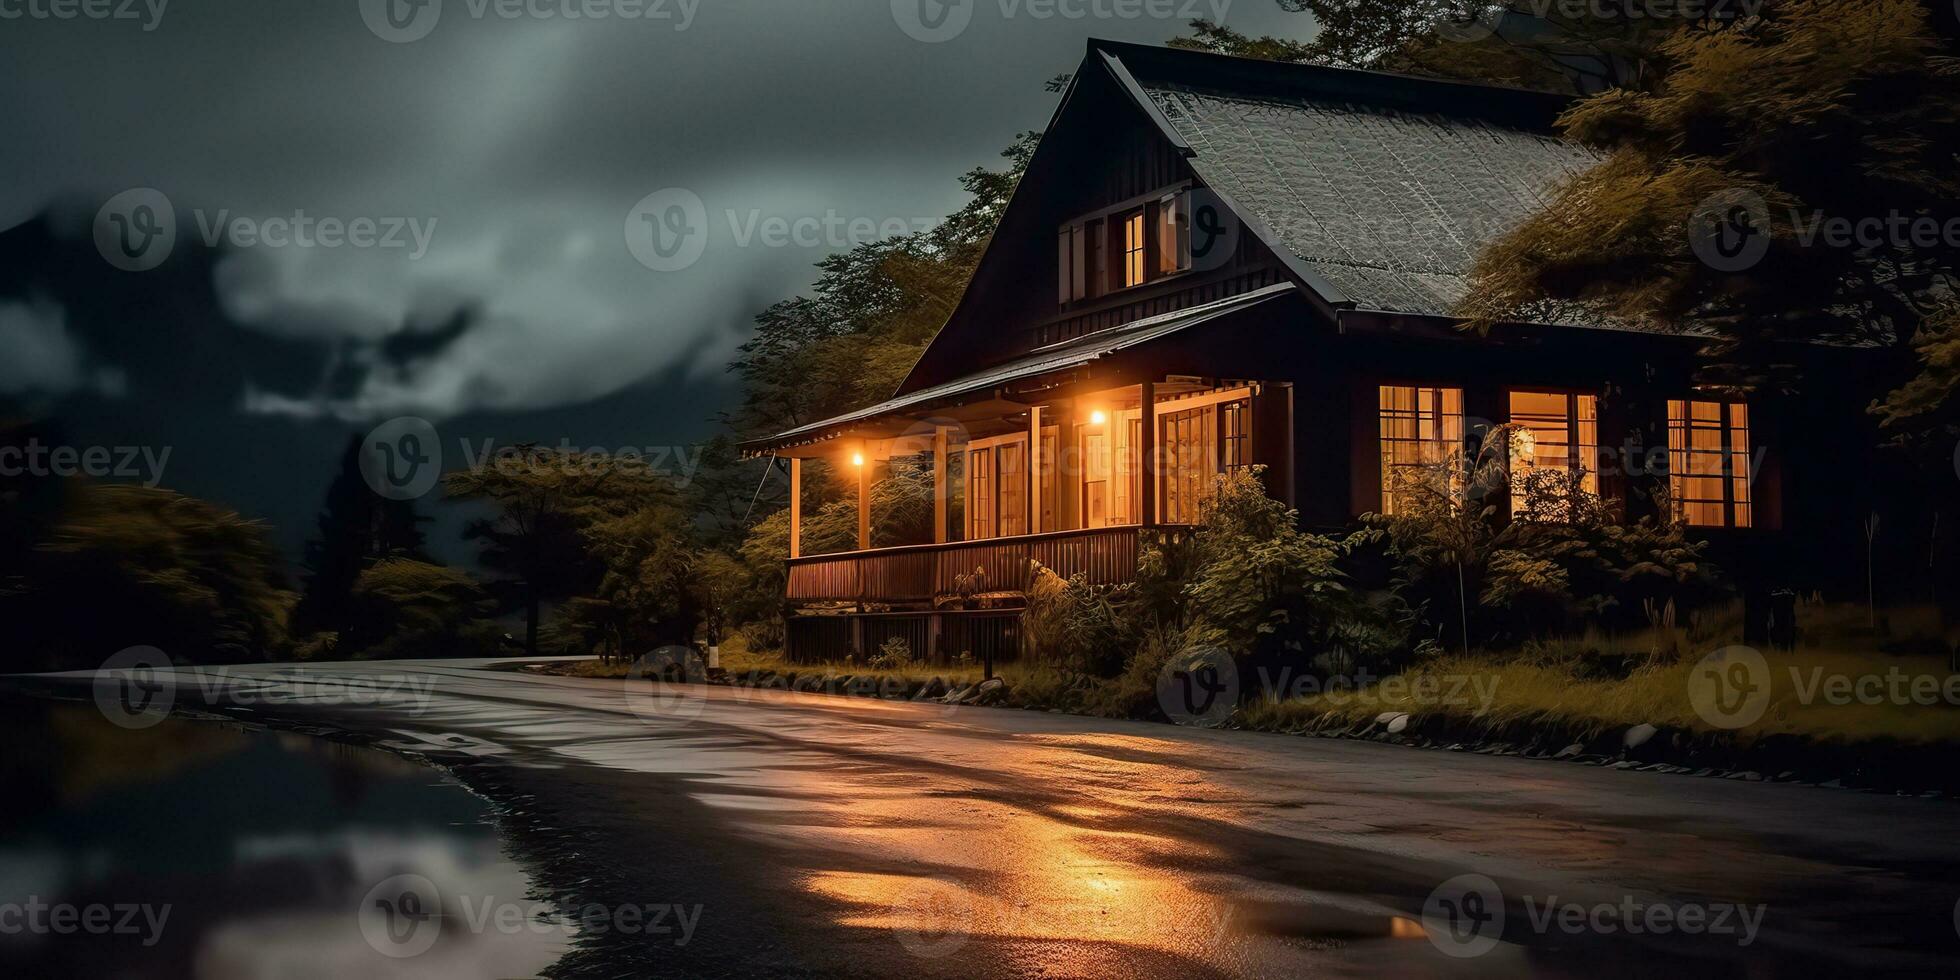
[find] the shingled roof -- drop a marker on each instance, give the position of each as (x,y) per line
(1382,187)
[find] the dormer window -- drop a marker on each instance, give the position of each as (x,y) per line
(1135,243)
(1133,240)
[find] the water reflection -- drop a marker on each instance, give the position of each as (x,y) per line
(205,849)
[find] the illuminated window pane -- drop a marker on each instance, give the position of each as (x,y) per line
(1133,239)
(980,493)
(1557,433)
(1421,429)
(1709,453)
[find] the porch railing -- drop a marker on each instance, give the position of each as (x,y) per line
(920,573)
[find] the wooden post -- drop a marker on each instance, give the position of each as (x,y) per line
(1147,454)
(864,499)
(795,507)
(939,488)
(1034,471)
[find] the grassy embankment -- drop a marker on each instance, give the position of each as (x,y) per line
(1586,685)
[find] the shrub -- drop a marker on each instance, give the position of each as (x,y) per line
(895,654)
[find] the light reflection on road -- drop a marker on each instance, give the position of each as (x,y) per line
(1030,842)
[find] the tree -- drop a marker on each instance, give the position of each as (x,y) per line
(1579,48)
(1824,111)
(544,499)
(130,566)
(400,607)
(356,528)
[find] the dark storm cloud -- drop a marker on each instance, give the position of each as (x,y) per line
(521,147)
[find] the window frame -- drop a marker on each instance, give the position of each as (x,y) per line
(1575,445)
(1734,416)
(1093,257)
(1452,434)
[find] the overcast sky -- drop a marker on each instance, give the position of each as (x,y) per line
(488,157)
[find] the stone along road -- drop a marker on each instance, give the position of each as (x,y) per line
(823,835)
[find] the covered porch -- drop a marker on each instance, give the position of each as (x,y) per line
(1073,456)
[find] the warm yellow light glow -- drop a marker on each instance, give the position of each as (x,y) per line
(1097,417)
(857,459)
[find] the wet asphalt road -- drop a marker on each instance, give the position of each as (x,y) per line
(823,835)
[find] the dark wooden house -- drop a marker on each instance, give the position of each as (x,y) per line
(1214,263)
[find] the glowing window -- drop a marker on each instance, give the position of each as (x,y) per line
(1708,452)
(1556,433)
(1133,239)
(1421,430)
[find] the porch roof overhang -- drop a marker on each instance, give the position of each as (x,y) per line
(955,400)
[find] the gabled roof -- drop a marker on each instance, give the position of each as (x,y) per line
(1381,188)
(1043,360)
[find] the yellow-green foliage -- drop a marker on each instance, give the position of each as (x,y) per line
(1841,109)
(1593,684)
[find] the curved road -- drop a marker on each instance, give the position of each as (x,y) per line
(826,836)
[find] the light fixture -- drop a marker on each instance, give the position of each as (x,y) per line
(857,459)
(1097,417)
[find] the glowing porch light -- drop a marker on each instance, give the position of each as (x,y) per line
(1097,417)
(857,459)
